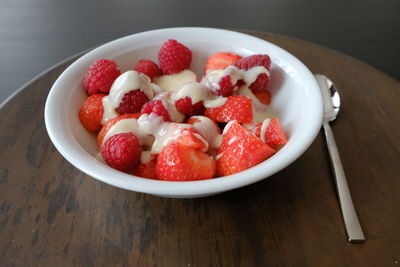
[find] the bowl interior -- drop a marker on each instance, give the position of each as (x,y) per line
(294,101)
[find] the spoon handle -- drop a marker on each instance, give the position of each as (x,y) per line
(352,225)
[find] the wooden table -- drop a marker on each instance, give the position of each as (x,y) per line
(51,214)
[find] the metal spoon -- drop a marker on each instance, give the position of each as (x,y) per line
(331,110)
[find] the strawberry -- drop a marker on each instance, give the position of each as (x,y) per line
(274,134)
(240,150)
(122,151)
(263,96)
(100,76)
(174,57)
(187,108)
(237,107)
(111,123)
(208,129)
(132,102)
(190,138)
(177,162)
(91,112)
(148,170)
(221,60)
(262,80)
(157,107)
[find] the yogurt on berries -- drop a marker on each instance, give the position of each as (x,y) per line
(128,81)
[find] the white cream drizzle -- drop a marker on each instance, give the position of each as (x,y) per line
(173,82)
(127,81)
(209,130)
(264,127)
(130,126)
(146,157)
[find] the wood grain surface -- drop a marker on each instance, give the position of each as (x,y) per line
(51,214)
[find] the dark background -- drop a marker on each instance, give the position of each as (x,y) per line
(35,34)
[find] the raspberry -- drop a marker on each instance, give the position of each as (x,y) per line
(261,83)
(148,68)
(174,57)
(225,86)
(122,151)
(100,76)
(157,107)
(91,112)
(186,107)
(132,102)
(253,61)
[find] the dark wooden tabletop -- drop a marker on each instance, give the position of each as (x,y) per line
(35,34)
(51,214)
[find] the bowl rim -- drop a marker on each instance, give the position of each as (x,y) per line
(100,171)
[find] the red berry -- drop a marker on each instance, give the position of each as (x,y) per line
(148,170)
(110,123)
(122,151)
(132,102)
(225,86)
(249,62)
(174,57)
(261,83)
(190,138)
(148,68)
(254,61)
(177,162)
(100,76)
(186,107)
(240,150)
(274,133)
(91,112)
(221,60)
(237,107)
(157,107)
(263,96)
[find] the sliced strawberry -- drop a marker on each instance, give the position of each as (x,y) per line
(263,96)
(91,112)
(148,170)
(240,150)
(190,138)
(221,60)
(178,162)
(274,133)
(237,107)
(111,123)
(208,129)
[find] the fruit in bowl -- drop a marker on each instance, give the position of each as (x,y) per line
(195,111)
(146,122)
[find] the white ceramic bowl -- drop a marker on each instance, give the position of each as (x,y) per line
(296,100)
